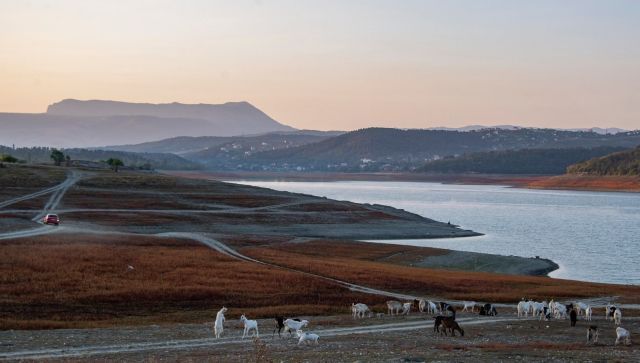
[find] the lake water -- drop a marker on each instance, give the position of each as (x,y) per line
(593,236)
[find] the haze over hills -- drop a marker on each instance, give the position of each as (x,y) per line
(73,123)
(378,149)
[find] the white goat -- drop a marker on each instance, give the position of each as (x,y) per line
(469,304)
(406,308)
(218,327)
(560,311)
(249,325)
(608,311)
(421,305)
(293,325)
(580,307)
(394,307)
(624,335)
(617,316)
(523,308)
(359,310)
(432,307)
(538,308)
(587,313)
(307,338)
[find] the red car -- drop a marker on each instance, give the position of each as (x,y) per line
(51,219)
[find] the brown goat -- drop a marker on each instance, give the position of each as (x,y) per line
(438,322)
(452,326)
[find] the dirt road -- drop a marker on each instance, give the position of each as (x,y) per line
(57,193)
(110,349)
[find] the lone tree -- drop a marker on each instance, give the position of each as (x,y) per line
(115,164)
(57,156)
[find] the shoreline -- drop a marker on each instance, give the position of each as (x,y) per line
(457,260)
(618,184)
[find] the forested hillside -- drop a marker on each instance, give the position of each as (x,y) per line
(624,163)
(525,161)
(378,149)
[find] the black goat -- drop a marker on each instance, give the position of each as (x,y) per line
(280,325)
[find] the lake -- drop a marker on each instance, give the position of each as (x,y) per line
(593,236)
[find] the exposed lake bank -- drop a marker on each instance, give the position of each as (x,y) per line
(551,182)
(569,228)
(482,262)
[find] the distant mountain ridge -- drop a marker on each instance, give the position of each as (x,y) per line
(237,112)
(380,149)
(597,130)
(74,123)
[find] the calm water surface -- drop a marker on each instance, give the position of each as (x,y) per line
(593,236)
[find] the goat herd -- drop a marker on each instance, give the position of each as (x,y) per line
(444,315)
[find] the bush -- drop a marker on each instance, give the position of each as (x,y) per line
(8,159)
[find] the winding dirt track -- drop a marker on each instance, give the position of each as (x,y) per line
(57,191)
(224,249)
(40,193)
(72,177)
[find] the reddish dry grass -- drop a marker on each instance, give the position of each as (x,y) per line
(361,250)
(83,281)
(451,284)
(624,183)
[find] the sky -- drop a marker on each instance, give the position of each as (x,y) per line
(335,65)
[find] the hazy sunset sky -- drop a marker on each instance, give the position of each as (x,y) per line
(335,64)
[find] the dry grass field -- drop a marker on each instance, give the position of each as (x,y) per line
(84,281)
(333,259)
(588,182)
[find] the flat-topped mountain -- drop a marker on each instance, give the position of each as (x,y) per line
(229,114)
(74,123)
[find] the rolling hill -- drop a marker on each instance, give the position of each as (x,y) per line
(184,145)
(524,161)
(623,163)
(380,149)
